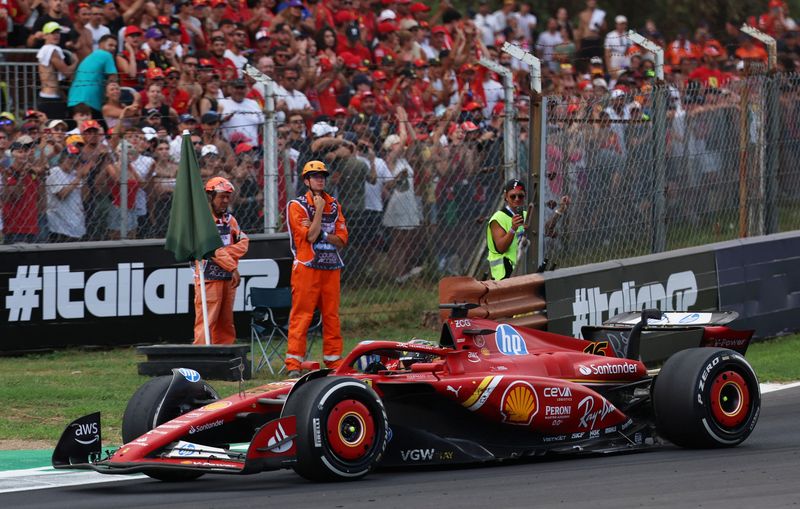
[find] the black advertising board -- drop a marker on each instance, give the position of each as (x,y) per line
(116,293)
(760,279)
(682,280)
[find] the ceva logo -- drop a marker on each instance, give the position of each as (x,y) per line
(509,341)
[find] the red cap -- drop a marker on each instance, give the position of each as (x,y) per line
(466,68)
(170,70)
(367,93)
(711,51)
(499,108)
(133,29)
(379,75)
(420,63)
(472,106)
(339,111)
(386,27)
(163,20)
(343,17)
(775,3)
(572,108)
(154,73)
(350,60)
(91,124)
(204,62)
(583,84)
(423,23)
(243,147)
(419,7)
(469,126)
(438,29)
(217,3)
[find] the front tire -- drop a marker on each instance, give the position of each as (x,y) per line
(145,412)
(706,397)
(342,428)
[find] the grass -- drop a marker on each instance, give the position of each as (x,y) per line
(776,360)
(42,393)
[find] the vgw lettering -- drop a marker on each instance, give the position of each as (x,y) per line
(417,454)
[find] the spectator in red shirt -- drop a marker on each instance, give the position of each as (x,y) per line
(708,73)
(133,58)
(21,193)
(226,69)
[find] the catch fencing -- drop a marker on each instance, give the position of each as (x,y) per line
(647,171)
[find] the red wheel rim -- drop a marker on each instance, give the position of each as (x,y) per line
(730,399)
(350,429)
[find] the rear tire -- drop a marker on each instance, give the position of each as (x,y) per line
(342,428)
(140,417)
(706,397)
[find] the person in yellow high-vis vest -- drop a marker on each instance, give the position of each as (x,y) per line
(505,230)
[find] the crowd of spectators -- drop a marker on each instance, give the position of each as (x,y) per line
(389,92)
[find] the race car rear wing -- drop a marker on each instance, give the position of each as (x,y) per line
(662,337)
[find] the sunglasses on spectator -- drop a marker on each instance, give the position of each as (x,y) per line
(515,196)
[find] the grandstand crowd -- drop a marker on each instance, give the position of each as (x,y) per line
(388,92)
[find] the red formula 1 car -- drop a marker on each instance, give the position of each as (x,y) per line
(487,392)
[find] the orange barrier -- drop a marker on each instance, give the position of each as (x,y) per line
(518,300)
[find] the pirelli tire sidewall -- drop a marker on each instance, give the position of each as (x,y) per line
(706,397)
(323,407)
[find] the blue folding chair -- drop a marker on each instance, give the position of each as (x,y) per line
(269,327)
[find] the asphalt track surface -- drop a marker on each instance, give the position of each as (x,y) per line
(761,473)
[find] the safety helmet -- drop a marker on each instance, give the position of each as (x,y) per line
(219,185)
(313,167)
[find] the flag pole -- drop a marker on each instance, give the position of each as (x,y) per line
(200,271)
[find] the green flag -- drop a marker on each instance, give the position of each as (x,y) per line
(191,234)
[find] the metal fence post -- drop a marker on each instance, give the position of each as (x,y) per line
(510,166)
(536,150)
(123,189)
(270,154)
(773,147)
(540,127)
(660,169)
(659,241)
(768,208)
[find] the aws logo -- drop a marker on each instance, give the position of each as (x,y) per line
(87,433)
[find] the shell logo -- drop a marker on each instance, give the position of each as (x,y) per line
(519,404)
(218,405)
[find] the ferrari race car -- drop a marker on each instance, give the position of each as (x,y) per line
(487,392)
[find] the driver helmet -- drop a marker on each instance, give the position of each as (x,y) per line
(409,358)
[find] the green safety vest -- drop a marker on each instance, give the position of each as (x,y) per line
(502,264)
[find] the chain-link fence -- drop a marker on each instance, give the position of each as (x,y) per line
(655,169)
(720,166)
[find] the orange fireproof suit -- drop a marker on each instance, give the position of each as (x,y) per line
(315,279)
(220,292)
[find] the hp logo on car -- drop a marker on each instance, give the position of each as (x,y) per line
(509,341)
(190,374)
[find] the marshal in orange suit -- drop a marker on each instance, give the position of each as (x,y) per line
(221,271)
(317,231)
